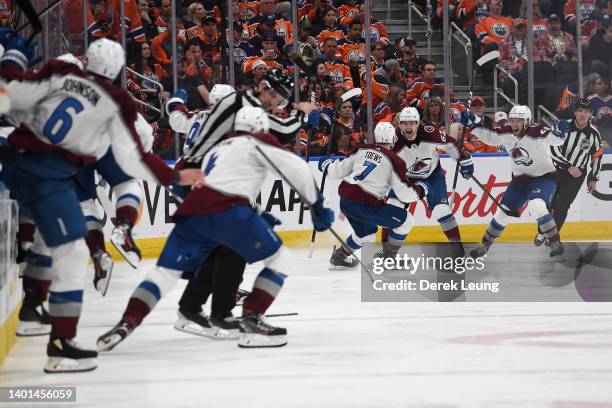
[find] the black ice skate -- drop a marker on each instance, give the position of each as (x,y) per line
(32,322)
(228,325)
(388,251)
(198,324)
(480,251)
(557,251)
(255,332)
(121,237)
(339,260)
(65,356)
(103,268)
(116,335)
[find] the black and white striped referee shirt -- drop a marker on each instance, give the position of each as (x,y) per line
(220,121)
(581,147)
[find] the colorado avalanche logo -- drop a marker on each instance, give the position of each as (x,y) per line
(501,30)
(521,156)
(420,167)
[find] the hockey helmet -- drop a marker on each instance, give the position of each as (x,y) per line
(280,82)
(71,59)
(384,133)
(251,119)
(520,112)
(218,92)
(409,114)
(105,58)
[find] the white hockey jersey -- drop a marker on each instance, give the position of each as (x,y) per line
(235,171)
(82,118)
(421,154)
(369,174)
(188,124)
(530,154)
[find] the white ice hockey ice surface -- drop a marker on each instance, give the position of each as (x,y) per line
(342,353)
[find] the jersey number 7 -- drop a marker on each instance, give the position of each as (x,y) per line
(369,166)
(62,117)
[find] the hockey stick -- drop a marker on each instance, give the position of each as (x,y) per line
(511,213)
(488,57)
(281,314)
(310,205)
(43,13)
(355,92)
(33,19)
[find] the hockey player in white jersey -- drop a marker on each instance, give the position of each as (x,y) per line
(72,118)
(534,177)
(418,147)
(220,213)
(367,176)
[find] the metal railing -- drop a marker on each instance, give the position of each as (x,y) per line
(544,115)
(425,18)
(498,91)
(160,94)
(467,47)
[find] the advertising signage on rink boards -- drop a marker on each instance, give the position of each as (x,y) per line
(471,205)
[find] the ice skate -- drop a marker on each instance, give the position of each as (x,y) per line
(65,356)
(198,324)
(339,260)
(240,295)
(103,268)
(116,335)
(388,251)
(540,239)
(255,332)
(480,251)
(229,326)
(457,249)
(121,237)
(32,322)
(557,252)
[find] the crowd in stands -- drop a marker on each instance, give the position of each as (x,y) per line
(331,39)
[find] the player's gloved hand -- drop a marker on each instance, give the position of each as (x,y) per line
(270,219)
(324,161)
(562,128)
(422,189)
(466,167)
(18,52)
(177,101)
(470,120)
(322,217)
(313,119)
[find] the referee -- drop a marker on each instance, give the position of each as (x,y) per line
(582,146)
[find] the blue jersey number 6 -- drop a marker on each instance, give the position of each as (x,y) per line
(369,166)
(61,116)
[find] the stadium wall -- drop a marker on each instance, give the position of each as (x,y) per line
(590,217)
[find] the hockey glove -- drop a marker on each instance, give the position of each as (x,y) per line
(470,120)
(466,167)
(322,217)
(270,219)
(562,129)
(17,52)
(422,189)
(177,101)
(313,120)
(324,161)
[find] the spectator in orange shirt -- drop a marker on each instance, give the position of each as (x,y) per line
(352,47)
(348,11)
(145,89)
(555,45)
(410,61)
(196,65)
(193,25)
(378,31)
(326,26)
(146,19)
(421,90)
(161,48)
(540,22)
(493,29)
(336,68)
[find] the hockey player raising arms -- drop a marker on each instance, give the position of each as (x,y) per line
(534,177)
(71,118)
(368,175)
(417,146)
(220,213)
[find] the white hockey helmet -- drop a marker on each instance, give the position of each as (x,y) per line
(252,119)
(105,58)
(218,92)
(71,59)
(520,112)
(384,132)
(409,114)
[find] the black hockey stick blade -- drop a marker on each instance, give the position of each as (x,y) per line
(511,213)
(281,314)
